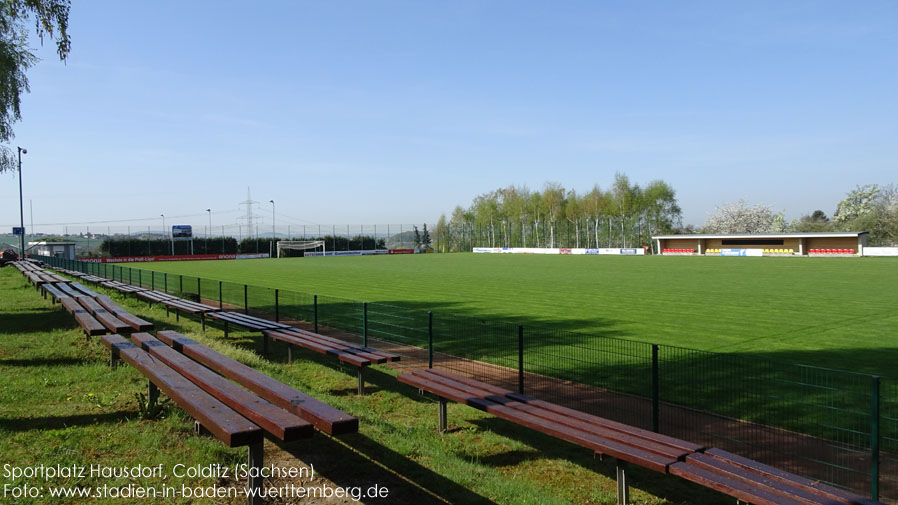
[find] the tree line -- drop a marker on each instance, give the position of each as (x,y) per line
(624,215)
(868,208)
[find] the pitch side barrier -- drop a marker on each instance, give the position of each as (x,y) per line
(177,257)
(632,251)
(835,426)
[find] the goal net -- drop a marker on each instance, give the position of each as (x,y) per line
(302,247)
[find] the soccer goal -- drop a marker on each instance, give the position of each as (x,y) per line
(302,245)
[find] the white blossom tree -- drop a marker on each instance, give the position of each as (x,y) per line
(740,217)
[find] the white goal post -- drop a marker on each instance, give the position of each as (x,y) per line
(301,245)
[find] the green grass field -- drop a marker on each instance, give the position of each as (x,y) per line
(834,312)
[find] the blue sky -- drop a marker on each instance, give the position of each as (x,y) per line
(377,112)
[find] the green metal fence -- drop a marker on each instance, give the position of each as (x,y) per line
(837,426)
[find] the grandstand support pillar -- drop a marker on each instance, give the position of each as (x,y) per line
(443,422)
(254,456)
(623,487)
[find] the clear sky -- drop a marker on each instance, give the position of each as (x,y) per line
(390,111)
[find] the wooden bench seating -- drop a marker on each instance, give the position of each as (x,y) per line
(90,325)
(131,320)
(245,321)
(77,286)
(93,278)
(68,290)
(53,291)
(356,355)
(210,413)
(122,287)
(321,415)
(179,305)
(275,420)
(151,296)
(108,320)
(746,480)
(752,482)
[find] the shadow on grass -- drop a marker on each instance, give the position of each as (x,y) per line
(59,422)
(44,319)
(357,460)
(46,362)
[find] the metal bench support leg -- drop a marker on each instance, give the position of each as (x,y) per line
(264,344)
(442,415)
(203,319)
(152,393)
(361,381)
(255,454)
(289,354)
(177,315)
(226,329)
(113,358)
(623,487)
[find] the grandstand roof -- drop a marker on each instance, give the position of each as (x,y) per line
(828,234)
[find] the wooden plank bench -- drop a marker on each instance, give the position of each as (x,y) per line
(69,291)
(151,296)
(110,321)
(90,325)
(93,278)
(752,482)
(626,444)
(53,291)
(245,321)
(355,355)
(210,413)
(77,286)
(51,277)
(131,320)
(193,308)
(122,287)
(284,425)
(324,417)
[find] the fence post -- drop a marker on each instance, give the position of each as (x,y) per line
(315,303)
(521,359)
(153,281)
(365,324)
(140,278)
(199,292)
(220,304)
(277,306)
(165,282)
(429,339)
(874,441)
(130,271)
(245,299)
(180,284)
(655,398)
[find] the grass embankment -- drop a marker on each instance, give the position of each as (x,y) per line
(61,404)
(833,312)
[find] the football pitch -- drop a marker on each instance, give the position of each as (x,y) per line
(833,312)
